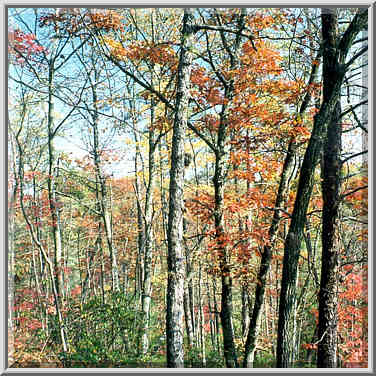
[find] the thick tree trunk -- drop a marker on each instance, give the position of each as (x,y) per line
(334,53)
(175,258)
(328,299)
(293,241)
(219,181)
(331,182)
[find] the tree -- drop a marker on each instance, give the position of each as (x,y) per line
(280,202)
(331,187)
(176,271)
(334,69)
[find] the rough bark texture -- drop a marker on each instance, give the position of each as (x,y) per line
(333,70)
(327,330)
(176,272)
(328,299)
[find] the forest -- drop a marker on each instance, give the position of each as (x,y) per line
(187,187)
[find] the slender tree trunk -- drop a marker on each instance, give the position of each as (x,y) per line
(186,297)
(188,320)
(201,316)
(56,233)
(175,258)
(99,250)
(226,278)
(191,295)
(211,308)
(107,214)
(139,272)
(102,196)
(216,310)
(219,182)
(125,277)
(148,226)
(50,265)
(266,258)
(88,281)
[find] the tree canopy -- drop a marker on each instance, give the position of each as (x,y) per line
(187,187)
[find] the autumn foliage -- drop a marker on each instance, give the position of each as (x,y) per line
(93,95)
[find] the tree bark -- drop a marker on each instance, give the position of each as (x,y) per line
(328,299)
(331,182)
(175,258)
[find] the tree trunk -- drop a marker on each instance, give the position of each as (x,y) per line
(334,69)
(186,297)
(219,181)
(211,313)
(266,258)
(188,320)
(102,194)
(293,240)
(224,257)
(175,258)
(56,233)
(12,198)
(139,272)
(148,226)
(328,299)
(216,312)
